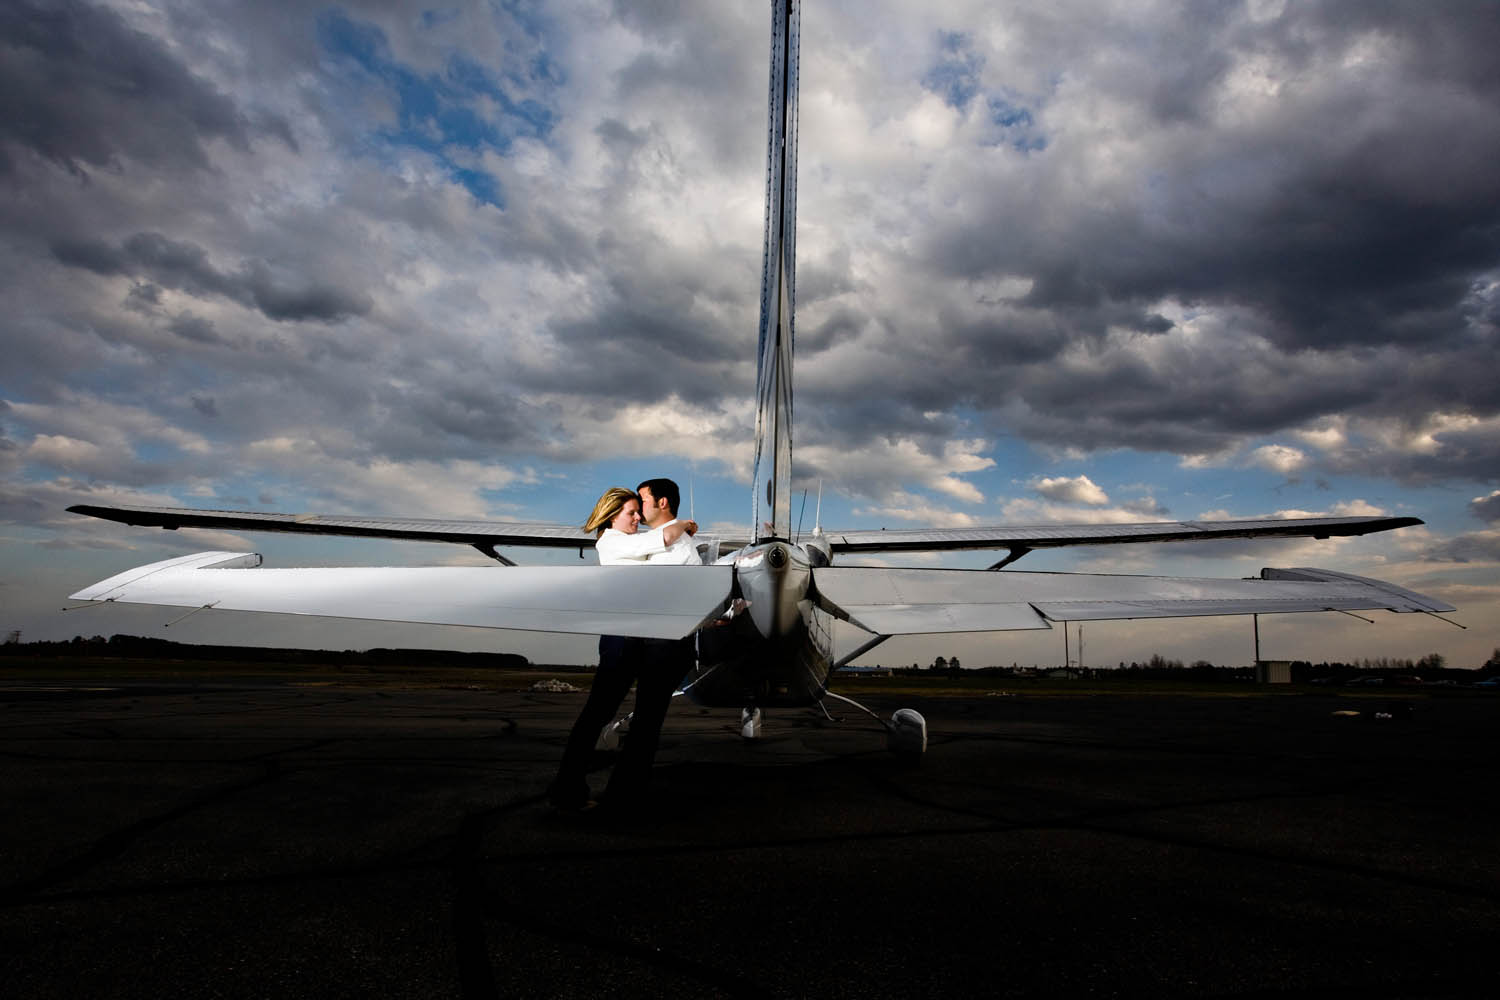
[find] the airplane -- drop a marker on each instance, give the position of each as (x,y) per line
(779,651)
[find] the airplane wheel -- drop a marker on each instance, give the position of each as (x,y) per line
(908,733)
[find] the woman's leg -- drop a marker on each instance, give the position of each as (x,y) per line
(570,789)
(664,664)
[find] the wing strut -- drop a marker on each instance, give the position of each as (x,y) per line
(862,650)
(1016,552)
(488,548)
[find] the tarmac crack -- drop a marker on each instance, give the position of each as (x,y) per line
(117,842)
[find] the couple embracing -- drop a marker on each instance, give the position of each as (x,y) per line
(655,666)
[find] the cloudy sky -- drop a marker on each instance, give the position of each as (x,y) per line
(1075,261)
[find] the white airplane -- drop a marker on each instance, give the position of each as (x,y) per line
(779,653)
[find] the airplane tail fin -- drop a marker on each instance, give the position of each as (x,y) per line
(773,418)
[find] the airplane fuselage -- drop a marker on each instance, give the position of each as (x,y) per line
(779,651)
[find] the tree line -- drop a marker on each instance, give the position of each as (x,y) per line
(144,648)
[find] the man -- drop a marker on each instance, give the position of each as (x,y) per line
(659,499)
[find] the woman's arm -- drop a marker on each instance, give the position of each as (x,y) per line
(617,547)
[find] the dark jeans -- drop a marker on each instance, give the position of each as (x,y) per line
(656,667)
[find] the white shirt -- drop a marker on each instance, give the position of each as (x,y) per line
(683,552)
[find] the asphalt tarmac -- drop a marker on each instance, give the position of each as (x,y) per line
(270,839)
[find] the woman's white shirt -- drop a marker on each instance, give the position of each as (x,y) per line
(616,548)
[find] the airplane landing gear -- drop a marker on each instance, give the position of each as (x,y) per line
(750,723)
(906,732)
(614,732)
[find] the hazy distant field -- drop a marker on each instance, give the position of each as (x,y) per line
(102,669)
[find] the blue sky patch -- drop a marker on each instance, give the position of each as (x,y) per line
(436,113)
(956,76)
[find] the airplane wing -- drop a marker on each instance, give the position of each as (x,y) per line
(1022,539)
(648,601)
(918,601)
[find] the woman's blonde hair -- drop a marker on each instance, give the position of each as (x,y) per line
(610,504)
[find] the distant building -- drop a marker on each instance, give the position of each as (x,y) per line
(1273,671)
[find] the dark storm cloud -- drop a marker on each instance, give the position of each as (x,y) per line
(696,57)
(190,327)
(1360,201)
(1349,225)
(21,507)
(844,324)
(1479,546)
(185,267)
(79,87)
(1471,453)
(633,354)
(453,411)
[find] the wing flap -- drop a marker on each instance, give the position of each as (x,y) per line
(917,601)
(662,602)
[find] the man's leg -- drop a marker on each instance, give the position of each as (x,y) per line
(618,661)
(666,663)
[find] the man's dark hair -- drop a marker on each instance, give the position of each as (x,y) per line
(663,488)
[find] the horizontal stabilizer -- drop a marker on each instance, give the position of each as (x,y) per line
(1047,536)
(487,535)
(649,601)
(477,533)
(916,601)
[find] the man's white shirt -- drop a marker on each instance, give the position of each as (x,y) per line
(683,552)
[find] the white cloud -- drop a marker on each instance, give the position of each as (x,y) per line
(1279,458)
(1329,437)
(64,452)
(1076,489)
(1029,511)
(1355,508)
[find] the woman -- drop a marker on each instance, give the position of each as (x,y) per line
(621,658)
